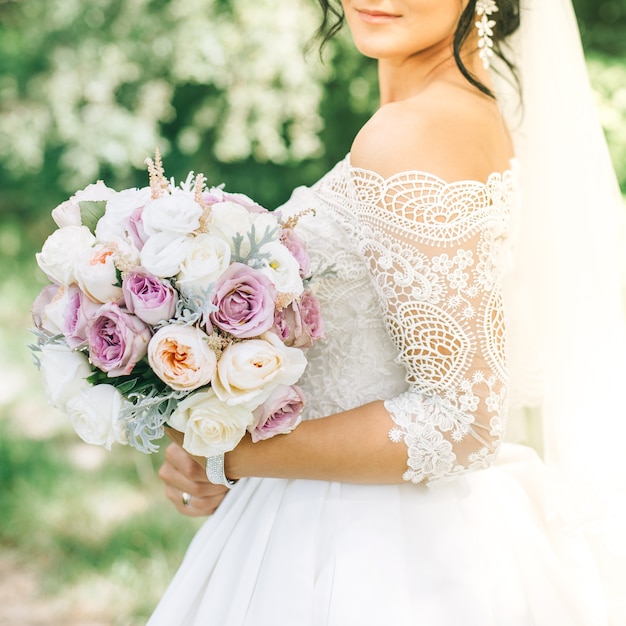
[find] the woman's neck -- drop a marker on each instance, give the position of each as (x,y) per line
(401,79)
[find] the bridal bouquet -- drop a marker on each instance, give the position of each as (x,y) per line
(174,305)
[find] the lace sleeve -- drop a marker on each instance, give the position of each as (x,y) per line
(434,251)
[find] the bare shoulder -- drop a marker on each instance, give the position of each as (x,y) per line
(448,132)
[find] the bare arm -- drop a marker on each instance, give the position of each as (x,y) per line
(352,446)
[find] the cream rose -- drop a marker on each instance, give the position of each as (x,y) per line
(208,257)
(64,372)
(61,252)
(211,427)
(248,371)
(228,219)
(96,274)
(94,414)
(68,213)
(181,357)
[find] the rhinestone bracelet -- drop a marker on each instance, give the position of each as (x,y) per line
(215,471)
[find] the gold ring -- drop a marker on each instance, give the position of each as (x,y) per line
(186,499)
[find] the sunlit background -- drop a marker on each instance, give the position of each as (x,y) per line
(232,88)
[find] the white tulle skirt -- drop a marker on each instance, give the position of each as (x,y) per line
(474,552)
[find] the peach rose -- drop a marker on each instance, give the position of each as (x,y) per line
(181,357)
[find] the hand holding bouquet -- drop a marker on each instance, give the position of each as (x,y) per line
(180,305)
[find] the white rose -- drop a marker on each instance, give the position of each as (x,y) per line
(94,414)
(207,259)
(63,372)
(163,254)
(119,209)
(113,225)
(96,274)
(61,251)
(176,213)
(228,219)
(210,426)
(248,371)
(181,357)
(68,213)
(282,269)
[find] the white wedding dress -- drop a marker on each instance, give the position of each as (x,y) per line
(414,317)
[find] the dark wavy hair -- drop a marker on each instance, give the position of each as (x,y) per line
(507,22)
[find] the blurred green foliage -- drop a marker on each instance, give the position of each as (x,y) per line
(88,531)
(603,26)
(229,88)
(226,87)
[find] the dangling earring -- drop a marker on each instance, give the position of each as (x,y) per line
(484,10)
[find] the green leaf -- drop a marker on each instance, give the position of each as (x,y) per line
(90,212)
(96,378)
(127,386)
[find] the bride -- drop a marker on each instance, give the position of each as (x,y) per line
(397,500)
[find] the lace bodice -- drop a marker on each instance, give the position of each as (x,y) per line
(413,313)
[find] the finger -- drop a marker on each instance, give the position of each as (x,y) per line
(179,458)
(174,477)
(177,437)
(181,472)
(193,506)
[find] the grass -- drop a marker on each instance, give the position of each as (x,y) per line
(93,526)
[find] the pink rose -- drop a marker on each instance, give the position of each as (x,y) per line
(78,311)
(291,240)
(40,305)
(245,301)
(279,414)
(151,299)
(117,340)
(217,195)
(135,228)
(63,311)
(300,324)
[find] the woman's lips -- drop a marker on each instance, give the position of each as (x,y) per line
(376,17)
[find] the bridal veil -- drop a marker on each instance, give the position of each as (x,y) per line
(564,291)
